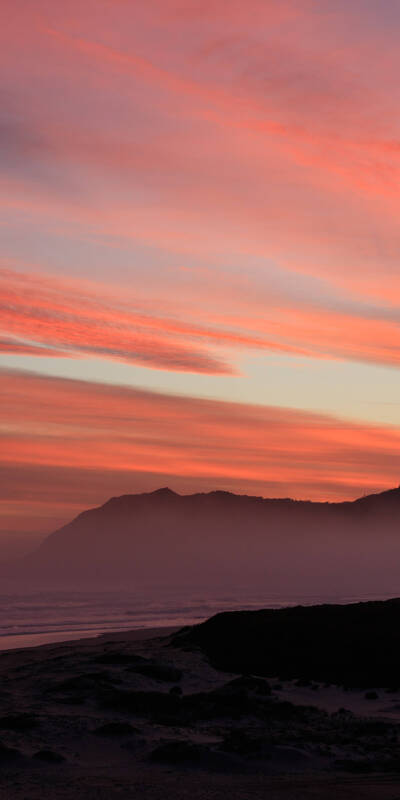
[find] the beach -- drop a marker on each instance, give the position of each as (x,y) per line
(136,714)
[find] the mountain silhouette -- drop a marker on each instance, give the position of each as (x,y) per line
(219,539)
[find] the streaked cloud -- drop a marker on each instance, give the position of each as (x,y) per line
(95,439)
(187,190)
(77,318)
(58,315)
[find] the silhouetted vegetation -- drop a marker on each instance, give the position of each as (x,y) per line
(355,645)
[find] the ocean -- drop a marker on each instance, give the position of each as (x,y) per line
(43,617)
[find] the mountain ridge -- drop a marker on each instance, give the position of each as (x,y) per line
(222,537)
(165,493)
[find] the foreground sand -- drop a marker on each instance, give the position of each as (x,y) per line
(131,716)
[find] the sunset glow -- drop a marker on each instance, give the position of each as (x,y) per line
(199,271)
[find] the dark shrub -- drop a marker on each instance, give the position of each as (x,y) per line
(50,756)
(115,729)
(18,722)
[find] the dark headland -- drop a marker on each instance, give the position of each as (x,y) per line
(291,704)
(221,539)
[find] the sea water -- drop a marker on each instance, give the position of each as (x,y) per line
(40,617)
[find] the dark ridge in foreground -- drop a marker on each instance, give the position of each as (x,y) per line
(355,645)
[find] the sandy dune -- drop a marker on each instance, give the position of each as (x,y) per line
(131,716)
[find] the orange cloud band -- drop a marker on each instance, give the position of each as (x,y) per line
(82,442)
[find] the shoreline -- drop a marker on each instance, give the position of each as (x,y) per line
(88,616)
(85,636)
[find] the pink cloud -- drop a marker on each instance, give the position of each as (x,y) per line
(56,314)
(273,140)
(257,145)
(79,318)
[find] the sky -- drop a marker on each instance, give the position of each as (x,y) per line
(199,262)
